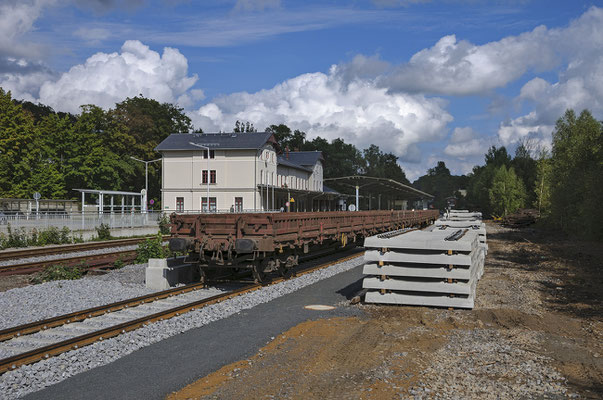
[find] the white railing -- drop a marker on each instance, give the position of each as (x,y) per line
(79,221)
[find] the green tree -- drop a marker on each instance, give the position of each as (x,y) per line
(577,168)
(16,148)
(382,165)
(542,186)
(525,168)
(507,193)
(480,180)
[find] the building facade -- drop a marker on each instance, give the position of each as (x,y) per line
(243,171)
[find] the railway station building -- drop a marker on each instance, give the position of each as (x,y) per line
(244,172)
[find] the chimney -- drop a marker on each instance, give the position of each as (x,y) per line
(287,152)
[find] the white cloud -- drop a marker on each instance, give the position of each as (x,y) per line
(16,20)
(458,67)
(326,105)
(580,84)
(23,78)
(105,79)
(465,142)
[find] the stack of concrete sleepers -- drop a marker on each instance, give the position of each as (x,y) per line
(462,215)
(427,268)
(475,225)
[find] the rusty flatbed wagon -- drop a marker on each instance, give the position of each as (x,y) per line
(265,242)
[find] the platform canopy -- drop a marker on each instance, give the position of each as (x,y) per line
(384,186)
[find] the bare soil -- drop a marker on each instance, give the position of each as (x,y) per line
(536,332)
(14,281)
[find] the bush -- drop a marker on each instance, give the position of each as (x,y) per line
(103,232)
(43,237)
(164,224)
(16,238)
(58,272)
(151,248)
(119,263)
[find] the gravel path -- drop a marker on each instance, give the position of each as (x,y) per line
(30,378)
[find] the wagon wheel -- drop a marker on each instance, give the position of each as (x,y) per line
(257,270)
(203,276)
(282,269)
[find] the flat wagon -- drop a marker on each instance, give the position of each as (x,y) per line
(266,242)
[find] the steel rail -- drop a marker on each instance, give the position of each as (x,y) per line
(85,262)
(69,248)
(54,349)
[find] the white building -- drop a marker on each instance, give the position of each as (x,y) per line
(245,173)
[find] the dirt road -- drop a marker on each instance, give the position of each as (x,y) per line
(536,332)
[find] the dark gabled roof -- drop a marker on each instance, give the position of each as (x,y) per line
(248,140)
(327,189)
(288,163)
(305,158)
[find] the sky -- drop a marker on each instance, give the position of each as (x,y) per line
(425,80)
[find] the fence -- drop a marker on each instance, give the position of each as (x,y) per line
(79,221)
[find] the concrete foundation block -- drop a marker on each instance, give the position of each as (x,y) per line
(418,286)
(422,299)
(162,274)
(424,240)
(417,272)
(413,258)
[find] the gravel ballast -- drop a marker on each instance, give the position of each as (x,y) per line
(32,303)
(30,378)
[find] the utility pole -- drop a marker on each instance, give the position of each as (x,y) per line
(146,177)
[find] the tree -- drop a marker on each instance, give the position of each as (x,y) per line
(480,182)
(439,182)
(577,168)
(241,127)
(16,148)
(507,193)
(542,186)
(525,168)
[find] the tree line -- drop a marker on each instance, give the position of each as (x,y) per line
(565,183)
(53,153)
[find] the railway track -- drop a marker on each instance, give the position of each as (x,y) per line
(50,337)
(87,262)
(69,248)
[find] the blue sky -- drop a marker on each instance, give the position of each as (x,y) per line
(426,80)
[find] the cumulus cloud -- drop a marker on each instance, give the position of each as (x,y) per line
(23,78)
(326,105)
(459,67)
(580,84)
(17,19)
(465,142)
(105,79)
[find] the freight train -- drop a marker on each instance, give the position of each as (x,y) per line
(274,242)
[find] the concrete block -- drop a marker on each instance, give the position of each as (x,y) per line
(164,273)
(423,299)
(423,285)
(413,271)
(460,224)
(424,240)
(413,258)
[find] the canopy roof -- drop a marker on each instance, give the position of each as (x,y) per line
(380,186)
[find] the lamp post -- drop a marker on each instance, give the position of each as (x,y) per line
(208,174)
(146,176)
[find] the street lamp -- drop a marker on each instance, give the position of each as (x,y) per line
(208,174)
(146,176)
